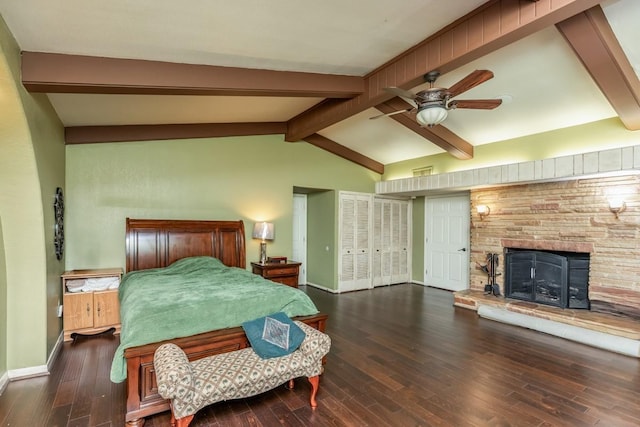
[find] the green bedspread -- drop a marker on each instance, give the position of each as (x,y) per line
(196,295)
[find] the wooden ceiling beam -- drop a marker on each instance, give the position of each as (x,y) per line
(596,45)
(490,27)
(124,133)
(129,133)
(59,73)
(344,152)
(439,135)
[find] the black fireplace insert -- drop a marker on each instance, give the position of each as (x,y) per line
(559,279)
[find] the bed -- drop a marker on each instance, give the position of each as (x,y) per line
(152,244)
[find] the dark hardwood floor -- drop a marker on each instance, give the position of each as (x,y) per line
(401,356)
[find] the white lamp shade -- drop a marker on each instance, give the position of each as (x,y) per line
(431,115)
(616,204)
(264,231)
(483,210)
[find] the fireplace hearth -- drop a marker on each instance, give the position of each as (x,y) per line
(559,279)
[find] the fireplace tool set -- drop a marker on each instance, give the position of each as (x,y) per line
(491,288)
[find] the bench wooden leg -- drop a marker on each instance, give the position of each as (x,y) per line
(181,422)
(315,381)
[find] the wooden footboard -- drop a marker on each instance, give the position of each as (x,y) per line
(142,392)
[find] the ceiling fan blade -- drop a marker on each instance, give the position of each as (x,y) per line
(469,82)
(404,94)
(393,113)
(478,104)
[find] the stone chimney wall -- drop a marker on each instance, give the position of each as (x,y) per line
(565,216)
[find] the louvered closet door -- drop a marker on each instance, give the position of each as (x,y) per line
(376,254)
(391,241)
(400,241)
(387,226)
(347,241)
(363,243)
(355,231)
(381,259)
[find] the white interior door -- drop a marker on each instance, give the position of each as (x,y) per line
(447,221)
(300,235)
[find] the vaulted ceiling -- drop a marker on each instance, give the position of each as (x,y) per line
(316,72)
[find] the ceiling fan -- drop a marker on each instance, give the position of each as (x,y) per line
(432,105)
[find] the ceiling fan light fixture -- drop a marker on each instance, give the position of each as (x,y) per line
(431,115)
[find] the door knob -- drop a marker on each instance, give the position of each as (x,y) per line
(463,249)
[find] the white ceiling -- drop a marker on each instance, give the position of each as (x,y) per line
(542,82)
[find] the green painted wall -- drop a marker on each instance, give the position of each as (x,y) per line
(47,136)
(31,163)
(417,239)
(595,136)
(248,178)
(322,224)
(3,308)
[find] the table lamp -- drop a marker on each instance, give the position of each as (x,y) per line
(264,231)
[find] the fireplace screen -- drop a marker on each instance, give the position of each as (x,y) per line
(551,278)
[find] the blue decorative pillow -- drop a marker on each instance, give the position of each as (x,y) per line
(274,335)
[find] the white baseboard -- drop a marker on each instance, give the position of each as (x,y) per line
(32,371)
(4,380)
(37,371)
(313,285)
(335,291)
(617,344)
(56,349)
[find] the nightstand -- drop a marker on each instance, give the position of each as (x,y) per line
(285,273)
(93,312)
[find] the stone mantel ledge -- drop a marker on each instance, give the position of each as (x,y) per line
(593,164)
(548,245)
(601,322)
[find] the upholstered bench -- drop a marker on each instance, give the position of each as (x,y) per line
(242,373)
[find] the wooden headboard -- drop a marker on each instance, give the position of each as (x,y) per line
(152,243)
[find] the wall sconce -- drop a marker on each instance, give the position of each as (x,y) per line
(617,206)
(483,210)
(264,231)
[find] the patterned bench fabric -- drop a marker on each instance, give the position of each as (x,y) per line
(238,374)
(175,378)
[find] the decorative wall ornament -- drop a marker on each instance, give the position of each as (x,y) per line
(58,226)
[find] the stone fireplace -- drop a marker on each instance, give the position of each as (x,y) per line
(565,217)
(535,223)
